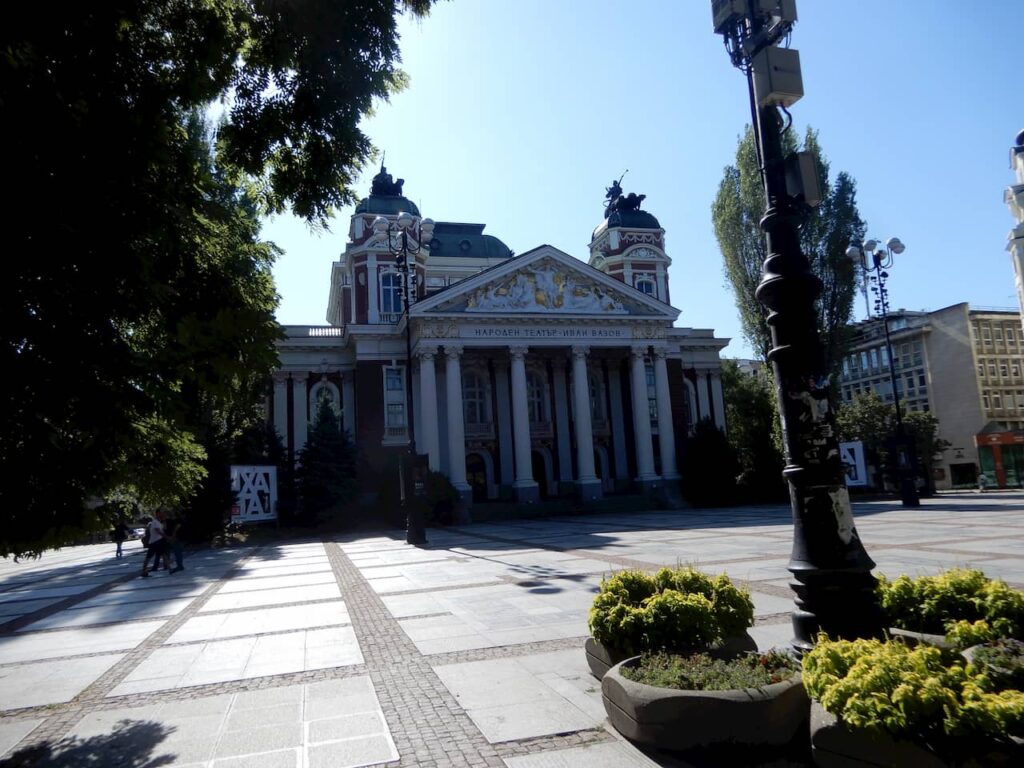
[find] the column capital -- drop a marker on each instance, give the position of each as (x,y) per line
(300,376)
(453,351)
(580,351)
(280,377)
(660,353)
(427,352)
(518,352)
(638,350)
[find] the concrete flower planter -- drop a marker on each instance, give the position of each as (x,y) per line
(835,745)
(601,658)
(671,719)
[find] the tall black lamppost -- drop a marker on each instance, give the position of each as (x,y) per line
(831,569)
(877,260)
(403,245)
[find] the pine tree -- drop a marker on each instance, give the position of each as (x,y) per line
(326,472)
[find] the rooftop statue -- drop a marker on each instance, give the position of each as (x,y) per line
(384,186)
(615,200)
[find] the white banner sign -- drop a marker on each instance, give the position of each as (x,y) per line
(852,455)
(255,490)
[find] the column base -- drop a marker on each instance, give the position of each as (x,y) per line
(527,492)
(589,490)
(649,486)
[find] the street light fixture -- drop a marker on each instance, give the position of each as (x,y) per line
(835,591)
(879,259)
(402,243)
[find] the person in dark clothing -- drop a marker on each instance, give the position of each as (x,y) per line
(119,534)
(172,530)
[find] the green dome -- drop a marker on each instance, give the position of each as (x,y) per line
(633,220)
(387,205)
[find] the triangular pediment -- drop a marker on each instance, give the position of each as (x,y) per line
(544,281)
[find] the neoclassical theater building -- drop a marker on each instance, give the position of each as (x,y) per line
(533,376)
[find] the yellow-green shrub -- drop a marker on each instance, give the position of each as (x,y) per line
(677,608)
(963,603)
(921,692)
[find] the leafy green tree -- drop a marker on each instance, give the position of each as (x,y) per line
(751,414)
(868,419)
(326,472)
(826,232)
(709,467)
(139,300)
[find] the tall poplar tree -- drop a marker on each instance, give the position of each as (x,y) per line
(827,231)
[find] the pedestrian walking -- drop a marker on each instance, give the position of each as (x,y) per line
(157,546)
(173,529)
(119,534)
(982,482)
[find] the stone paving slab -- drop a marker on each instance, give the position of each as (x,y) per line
(50,682)
(32,646)
(253,622)
(12,731)
(110,613)
(250,582)
(613,755)
(260,598)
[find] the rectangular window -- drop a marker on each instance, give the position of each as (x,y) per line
(874,359)
(981,370)
(1004,371)
(986,334)
(885,357)
(1015,370)
(985,403)
(395,415)
(1020,399)
(999,334)
(864,361)
(997,401)
(394,381)
(991,370)
(1011,338)
(921,380)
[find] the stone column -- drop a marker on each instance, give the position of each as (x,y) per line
(281,405)
(456,421)
(372,290)
(562,420)
(618,425)
(646,476)
(348,402)
(525,485)
(703,410)
(300,410)
(718,399)
(586,479)
(503,418)
(666,429)
(428,434)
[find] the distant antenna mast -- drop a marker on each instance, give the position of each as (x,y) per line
(382,156)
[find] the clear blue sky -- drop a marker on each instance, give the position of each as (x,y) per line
(519,115)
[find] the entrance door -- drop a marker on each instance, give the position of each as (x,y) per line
(540,472)
(476,476)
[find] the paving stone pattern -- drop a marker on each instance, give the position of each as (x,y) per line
(365,651)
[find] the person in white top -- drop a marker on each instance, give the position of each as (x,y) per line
(157,546)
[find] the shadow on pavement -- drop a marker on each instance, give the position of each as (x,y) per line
(132,744)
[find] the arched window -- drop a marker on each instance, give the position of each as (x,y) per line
(646,284)
(390,293)
(536,398)
(476,401)
(323,391)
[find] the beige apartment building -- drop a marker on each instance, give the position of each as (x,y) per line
(963,365)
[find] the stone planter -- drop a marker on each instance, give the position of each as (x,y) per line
(601,658)
(835,745)
(920,638)
(669,719)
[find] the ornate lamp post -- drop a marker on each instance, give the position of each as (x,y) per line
(876,259)
(831,569)
(405,248)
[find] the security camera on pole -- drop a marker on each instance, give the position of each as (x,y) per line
(831,569)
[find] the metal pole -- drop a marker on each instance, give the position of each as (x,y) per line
(908,489)
(835,591)
(414,533)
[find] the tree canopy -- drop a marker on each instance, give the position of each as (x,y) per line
(826,232)
(752,416)
(139,300)
(326,471)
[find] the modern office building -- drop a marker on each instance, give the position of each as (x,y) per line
(533,376)
(963,365)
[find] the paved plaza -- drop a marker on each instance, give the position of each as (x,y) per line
(362,650)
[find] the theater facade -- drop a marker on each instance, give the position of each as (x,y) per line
(534,376)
